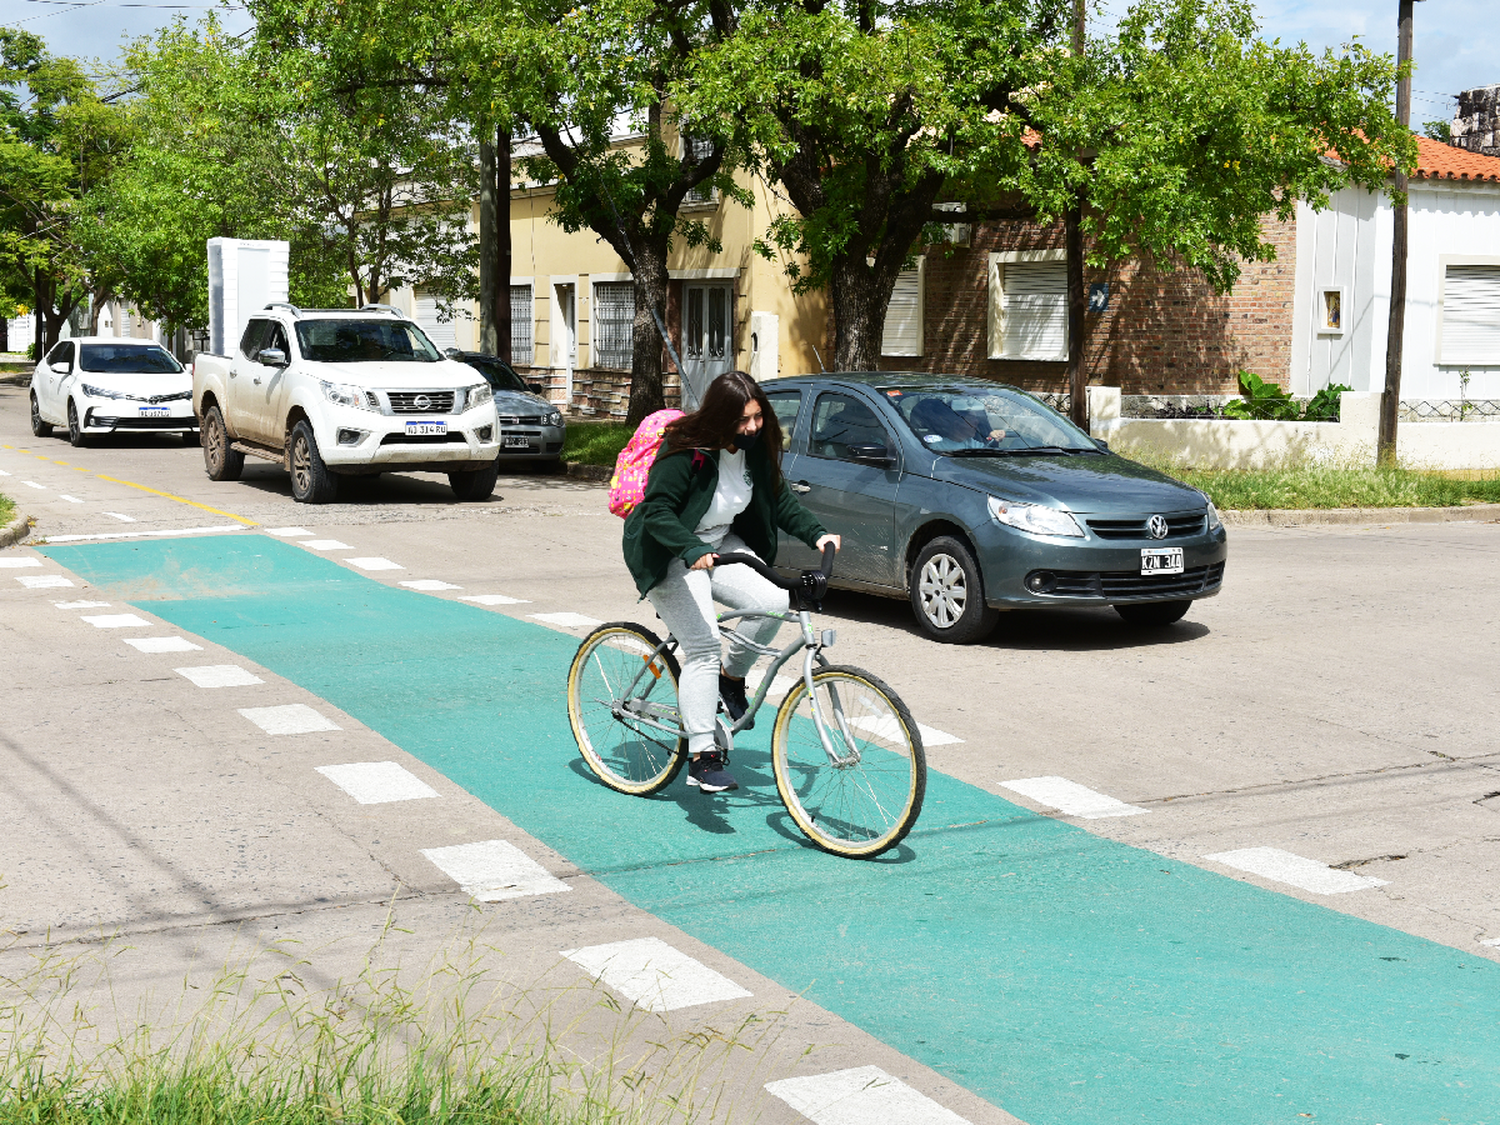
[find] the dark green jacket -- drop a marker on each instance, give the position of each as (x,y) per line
(678,494)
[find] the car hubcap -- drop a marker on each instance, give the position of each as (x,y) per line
(301,464)
(72,420)
(943,591)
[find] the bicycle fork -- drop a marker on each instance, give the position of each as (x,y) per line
(813,651)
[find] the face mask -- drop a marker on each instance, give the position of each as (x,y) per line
(744,442)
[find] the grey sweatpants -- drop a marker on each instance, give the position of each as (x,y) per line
(684,600)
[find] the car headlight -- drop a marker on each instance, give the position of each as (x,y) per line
(478,395)
(1034,518)
(552,418)
(346,394)
(98,392)
(1213,514)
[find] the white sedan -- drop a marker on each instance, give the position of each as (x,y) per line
(106,385)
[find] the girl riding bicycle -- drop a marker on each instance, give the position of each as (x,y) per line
(716,486)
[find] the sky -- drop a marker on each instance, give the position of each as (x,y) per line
(1457,41)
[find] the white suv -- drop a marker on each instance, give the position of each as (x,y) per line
(344,392)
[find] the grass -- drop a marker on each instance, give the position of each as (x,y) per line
(257,1043)
(1312,487)
(596,443)
(7,511)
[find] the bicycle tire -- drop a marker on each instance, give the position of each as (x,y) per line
(864,808)
(629,757)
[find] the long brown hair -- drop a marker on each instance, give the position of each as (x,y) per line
(715,423)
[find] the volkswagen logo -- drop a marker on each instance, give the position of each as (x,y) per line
(1157,526)
(422,402)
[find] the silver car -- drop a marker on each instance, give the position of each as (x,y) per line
(531,428)
(969,498)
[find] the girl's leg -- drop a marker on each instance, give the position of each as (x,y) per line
(684,602)
(740,588)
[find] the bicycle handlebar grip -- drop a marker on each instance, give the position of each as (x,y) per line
(828,552)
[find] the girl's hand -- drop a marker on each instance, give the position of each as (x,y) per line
(704,562)
(834,539)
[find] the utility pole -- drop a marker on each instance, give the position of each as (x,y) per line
(1078,408)
(1390,401)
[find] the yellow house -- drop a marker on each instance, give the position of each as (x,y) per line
(572,302)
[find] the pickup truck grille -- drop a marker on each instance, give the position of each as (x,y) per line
(421,402)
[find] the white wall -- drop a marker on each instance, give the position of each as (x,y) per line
(1348,245)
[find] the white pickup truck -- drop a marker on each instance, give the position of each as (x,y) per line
(327,393)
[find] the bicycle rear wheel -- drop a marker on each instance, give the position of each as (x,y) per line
(867,801)
(625,752)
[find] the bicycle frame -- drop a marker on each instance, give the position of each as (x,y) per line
(809,643)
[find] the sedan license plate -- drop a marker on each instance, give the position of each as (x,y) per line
(514,441)
(153,411)
(1161,560)
(426,429)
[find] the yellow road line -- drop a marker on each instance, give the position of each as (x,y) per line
(180,500)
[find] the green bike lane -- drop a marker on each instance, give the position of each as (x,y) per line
(1068,979)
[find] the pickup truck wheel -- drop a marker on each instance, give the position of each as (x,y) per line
(38,427)
(221,462)
(76,437)
(476,485)
(312,483)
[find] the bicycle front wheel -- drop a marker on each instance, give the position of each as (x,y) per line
(612,720)
(865,800)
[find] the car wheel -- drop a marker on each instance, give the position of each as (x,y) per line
(76,437)
(947,593)
(221,462)
(1153,613)
(476,485)
(38,427)
(312,483)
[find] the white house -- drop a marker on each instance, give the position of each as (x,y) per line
(1343,284)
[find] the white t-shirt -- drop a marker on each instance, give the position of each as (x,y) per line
(731,497)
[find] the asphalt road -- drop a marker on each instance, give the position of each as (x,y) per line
(1326,723)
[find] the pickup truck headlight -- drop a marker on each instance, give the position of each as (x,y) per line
(98,392)
(478,395)
(1034,518)
(346,394)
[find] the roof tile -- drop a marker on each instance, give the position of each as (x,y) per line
(1437,161)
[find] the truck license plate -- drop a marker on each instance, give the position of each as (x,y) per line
(426,429)
(1161,560)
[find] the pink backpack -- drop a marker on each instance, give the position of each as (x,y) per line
(628,486)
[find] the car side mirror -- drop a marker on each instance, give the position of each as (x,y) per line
(536,388)
(871,455)
(271,357)
(1102,444)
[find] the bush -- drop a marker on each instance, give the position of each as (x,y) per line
(1269,402)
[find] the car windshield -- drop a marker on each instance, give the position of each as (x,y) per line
(978,421)
(364,341)
(128,359)
(496,373)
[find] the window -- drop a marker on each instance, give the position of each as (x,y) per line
(786,405)
(695,149)
(841,423)
(60,356)
(522,326)
(1471,315)
(1029,305)
(442,333)
(614,321)
(903,316)
(250,342)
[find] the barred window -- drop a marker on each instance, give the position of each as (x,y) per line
(697,149)
(522,326)
(614,318)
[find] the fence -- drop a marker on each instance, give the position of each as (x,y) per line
(1221,443)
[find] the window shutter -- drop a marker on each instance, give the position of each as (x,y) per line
(1034,310)
(441,335)
(1471,315)
(522,326)
(903,316)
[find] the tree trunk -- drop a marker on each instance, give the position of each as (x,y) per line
(858,315)
(646,392)
(488,260)
(1078,395)
(502,249)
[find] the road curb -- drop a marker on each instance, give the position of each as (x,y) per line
(579,471)
(1299,517)
(18,529)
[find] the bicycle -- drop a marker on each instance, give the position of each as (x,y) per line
(846,753)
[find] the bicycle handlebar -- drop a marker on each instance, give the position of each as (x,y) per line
(810,584)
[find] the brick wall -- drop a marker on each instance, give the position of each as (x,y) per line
(1164,331)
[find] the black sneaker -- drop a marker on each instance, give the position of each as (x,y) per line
(709,775)
(732,692)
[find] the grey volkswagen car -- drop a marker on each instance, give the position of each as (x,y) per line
(969,497)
